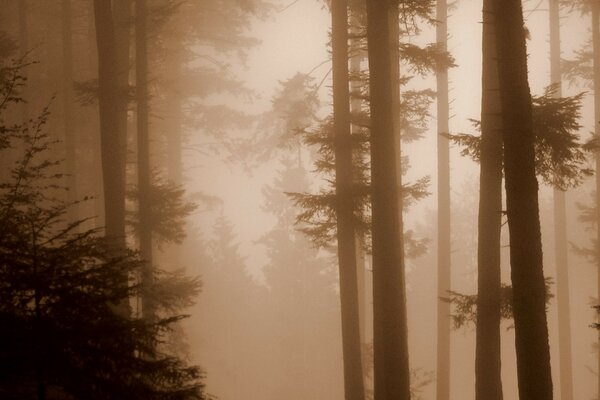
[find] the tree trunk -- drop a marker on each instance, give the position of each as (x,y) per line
(488,379)
(175,116)
(529,292)
(353,376)
(122,20)
(560,232)
(143,153)
(596,49)
(443,234)
(391,368)
(110,135)
(67,109)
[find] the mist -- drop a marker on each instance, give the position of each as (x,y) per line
(299,199)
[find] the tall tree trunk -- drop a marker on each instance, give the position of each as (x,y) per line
(391,368)
(110,135)
(24,48)
(122,20)
(560,232)
(143,153)
(353,376)
(355,109)
(488,379)
(596,49)
(443,189)
(67,108)
(529,292)
(175,116)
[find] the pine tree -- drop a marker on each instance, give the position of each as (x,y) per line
(531,330)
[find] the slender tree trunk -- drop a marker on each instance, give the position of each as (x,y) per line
(529,292)
(122,18)
(560,232)
(175,116)
(488,379)
(67,108)
(392,376)
(443,189)
(353,376)
(143,147)
(596,49)
(24,48)
(110,135)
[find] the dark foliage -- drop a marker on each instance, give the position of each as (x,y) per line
(465,305)
(560,156)
(65,326)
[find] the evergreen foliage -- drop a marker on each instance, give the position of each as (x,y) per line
(559,155)
(66,331)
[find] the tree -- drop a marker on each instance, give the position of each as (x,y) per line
(64,334)
(560,230)
(443,250)
(143,147)
(392,380)
(488,381)
(113,158)
(344,200)
(531,330)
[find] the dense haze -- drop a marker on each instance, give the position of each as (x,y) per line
(173,165)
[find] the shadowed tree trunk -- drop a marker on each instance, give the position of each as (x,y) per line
(110,135)
(143,150)
(122,20)
(560,232)
(529,308)
(443,190)
(596,49)
(353,375)
(488,379)
(391,368)
(67,108)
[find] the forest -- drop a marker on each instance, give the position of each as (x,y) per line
(299,199)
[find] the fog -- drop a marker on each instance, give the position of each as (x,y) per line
(173,166)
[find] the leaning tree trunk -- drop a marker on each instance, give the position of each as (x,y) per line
(391,368)
(488,379)
(353,376)
(443,190)
(560,232)
(529,292)
(143,152)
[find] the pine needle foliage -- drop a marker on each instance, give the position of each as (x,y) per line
(65,331)
(560,156)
